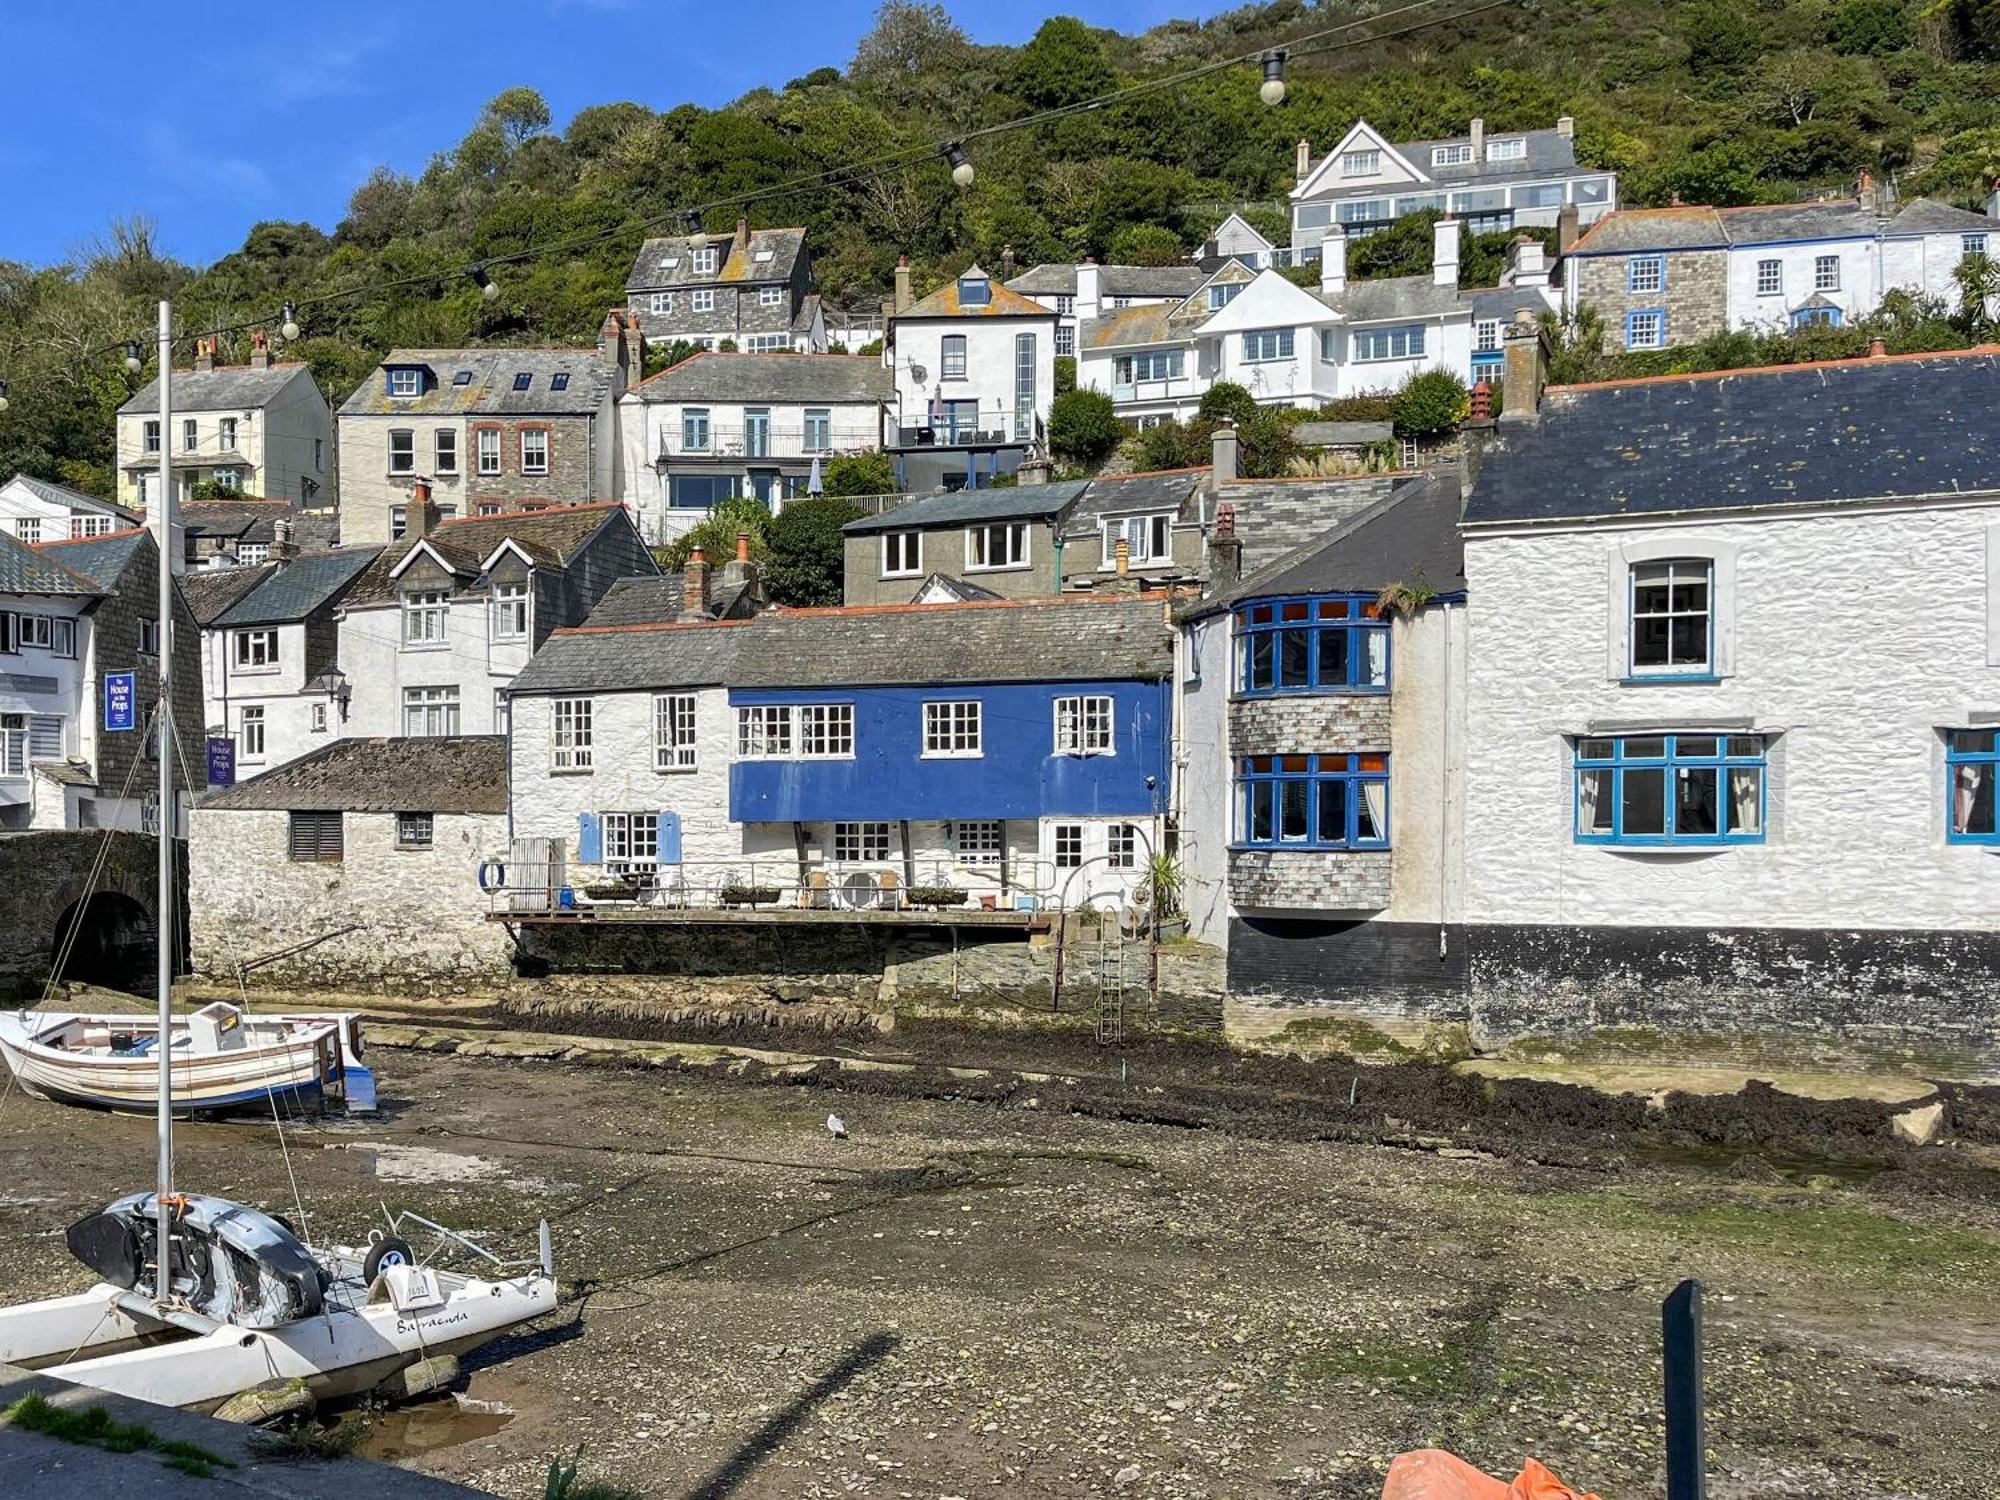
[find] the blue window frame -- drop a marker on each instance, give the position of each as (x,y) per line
(974,291)
(1313,801)
(1806,317)
(1646,328)
(1322,645)
(1660,790)
(1972,760)
(1646,273)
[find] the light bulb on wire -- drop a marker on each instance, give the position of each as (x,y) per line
(134,361)
(3,395)
(1272,90)
(962,171)
(488,287)
(289,328)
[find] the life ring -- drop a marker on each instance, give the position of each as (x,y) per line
(492,876)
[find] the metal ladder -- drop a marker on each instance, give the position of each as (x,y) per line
(1110,1005)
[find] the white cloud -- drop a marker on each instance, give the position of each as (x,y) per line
(192,168)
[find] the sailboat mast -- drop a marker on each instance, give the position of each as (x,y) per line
(163,925)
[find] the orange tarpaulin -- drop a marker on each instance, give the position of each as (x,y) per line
(1433,1474)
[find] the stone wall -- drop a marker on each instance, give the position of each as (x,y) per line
(45,877)
(1309,879)
(1309,724)
(1696,294)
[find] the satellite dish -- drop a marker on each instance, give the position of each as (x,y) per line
(918,373)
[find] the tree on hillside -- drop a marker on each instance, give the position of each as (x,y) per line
(1063,63)
(807,551)
(1083,426)
(909,51)
(520,113)
(1144,245)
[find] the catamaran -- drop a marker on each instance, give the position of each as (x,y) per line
(201,1299)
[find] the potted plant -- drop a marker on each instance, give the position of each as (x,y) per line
(738,893)
(936,896)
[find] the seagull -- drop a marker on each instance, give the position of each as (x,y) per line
(836,1127)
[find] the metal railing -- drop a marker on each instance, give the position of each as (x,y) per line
(770,442)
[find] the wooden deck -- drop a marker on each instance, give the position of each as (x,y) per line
(761,916)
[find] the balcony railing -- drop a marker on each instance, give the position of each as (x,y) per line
(770,442)
(956,425)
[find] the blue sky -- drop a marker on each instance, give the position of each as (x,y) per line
(278,111)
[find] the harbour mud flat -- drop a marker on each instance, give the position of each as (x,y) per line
(1039,1268)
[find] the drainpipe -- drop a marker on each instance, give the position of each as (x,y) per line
(1444,790)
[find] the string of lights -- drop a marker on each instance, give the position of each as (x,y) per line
(1271,63)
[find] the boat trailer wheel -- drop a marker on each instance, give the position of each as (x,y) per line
(387,1252)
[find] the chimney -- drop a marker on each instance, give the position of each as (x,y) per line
(204,354)
(1086,288)
(1864,188)
(1478,139)
(743,235)
(1877,348)
(1033,470)
(1567,228)
(1006,262)
(1526,370)
(1527,263)
(694,587)
(741,571)
(1333,261)
(1566,127)
(1444,253)
(903,297)
(1123,552)
(283,548)
(1302,165)
(260,351)
(1482,402)
(1224,450)
(635,348)
(420,517)
(1225,552)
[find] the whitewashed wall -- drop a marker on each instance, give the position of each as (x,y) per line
(279,691)
(989,365)
(1860,286)
(378,668)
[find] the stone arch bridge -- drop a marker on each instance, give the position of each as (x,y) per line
(86,896)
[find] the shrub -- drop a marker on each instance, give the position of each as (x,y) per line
(1171,445)
(716,536)
(860,474)
(1065,373)
(1227,399)
(1372,406)
(1430,404)
(807,550)
(1083,426)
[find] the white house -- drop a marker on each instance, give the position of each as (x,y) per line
(1731,786)
(34,510)
(1492,180)
(974,371)
(716,426)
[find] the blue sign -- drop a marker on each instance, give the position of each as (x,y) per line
(120,701)
(221,761)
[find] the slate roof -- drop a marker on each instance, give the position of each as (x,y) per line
(1343,434)
(771,377)
(465,774)
(1389,298)
(738,264)
(640,601)
(1148,323)
(624,658)
(547,536)
(1633,229)
(1928,216)
(1005,303)
(62,494)
(25,570)
(1135,494)
(1865,429)
(490,390)
(101,559)
(1546,151)
(211,591)
(1636,230)
(295,590)
(235,388)
(964,507)
(1058,278)
(255,521)
(1410,536)
(1764,224)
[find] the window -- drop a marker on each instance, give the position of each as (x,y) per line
(13,745)
(1004,544)
(702,301)
(764,731)
(1672,617)
(399,522)
(488,443)
(661,302)
(402,451)
(190,435)
(1404,342)
(976,843)
(463,377)
(1514,148)
(768,343)
(406,382)
(952,728)
(1826,273)
(1770,278)
(315,836)
(414,830)
(1646,330)
(45,737)
(757,432)
(694,429)
(1972,244)
(28,529)
(1158,364)
(534,450)
(1024,385)
(503,712)
(62,637)
(1121,846)
(855,842)
(510,612)
(1646,273)
(1486,336)
(673,732)
(229,479)
(151,440)
(424,619)
(1263,344)
(1223,295)
(88,526)
(1066,304)
(250,733)
(1360,163)
(569,735)
(1670,789)
(1452,156)
(1068,845)
(631,840)
(1313,645)
(702,259)
(826,731)
(1972,759)
(819,429)
(902,554)
(974,291)
(444,451)
(523,380)
(770,296)
(1148,539)
(256,650)
(149,636)
(317,718)
(1809,317)
(225,434)
(253,554)
(559,381)
(1065,340)
(1313,801)
(1084,725)
(951,357)
(430,713)
(34,630)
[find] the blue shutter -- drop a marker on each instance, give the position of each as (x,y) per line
(589,839)
(670,838)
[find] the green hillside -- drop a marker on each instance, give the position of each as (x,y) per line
(1718,101)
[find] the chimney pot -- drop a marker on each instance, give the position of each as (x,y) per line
(743,546)
(1482,400)
(204,354)
(1566,127)
(1302,167)
(1123,552)
(1478,138)
(1877,349)
(420,516)
(695,586)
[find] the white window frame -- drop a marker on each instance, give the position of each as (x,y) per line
(1680,570)
(820,417)
(1060,834)
(425,621)
(1065,341)
(954,729)
(62,637)
(1398,341)
(149,437)
(1659,327)
(486,449)
(661,303)
(1826,273)
(1646,274)
(1486,336)
(444,450)
(630,840)
(702,260)
(903,554)
(537,461)
(190,435)
(316,719)
(1148,539)
(254,650)
(570,747)
(503,712)
(1459,155)
(1015,544)
(431,712)
(1366,161)
(225,435)
(1121,846)
(978,841)
(406,383)
(860,843)
(1281,342)
(824,731)
(1770,278)
(770,296)
(1086,724)
(1508,148)
(701,301)
(252,742)
(764,731)
(674,746)
(513,611)
(416,830)
(402,450)
(35,630)
(149,636)
(951,357)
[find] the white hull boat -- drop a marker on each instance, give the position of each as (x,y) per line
(222,1059)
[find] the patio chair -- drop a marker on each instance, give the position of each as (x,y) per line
(817,893)
(891,898)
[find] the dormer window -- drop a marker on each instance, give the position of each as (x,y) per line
(1514,148)
(523,380)
(704,260)
(974,291)
(406,382)
(1451,156)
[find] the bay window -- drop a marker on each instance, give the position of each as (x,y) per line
(1329,645)
(1313,801)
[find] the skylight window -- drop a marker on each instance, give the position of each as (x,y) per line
(559,382)
(668,262)
(764,255)
(463,377)
(522,380)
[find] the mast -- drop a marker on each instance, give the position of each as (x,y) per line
(163,926)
